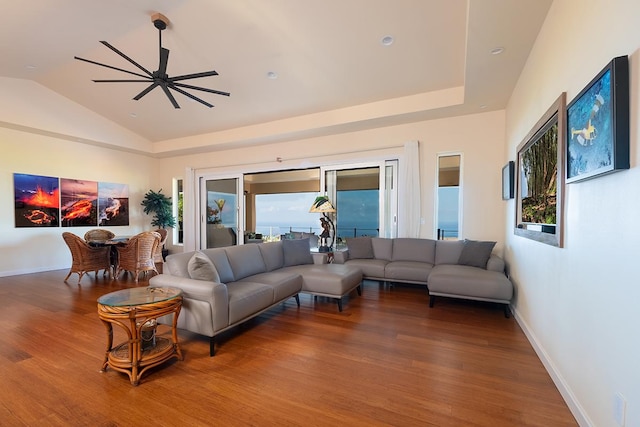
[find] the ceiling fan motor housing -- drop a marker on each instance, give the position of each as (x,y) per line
(159,21)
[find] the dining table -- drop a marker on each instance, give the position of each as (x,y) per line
(112,244)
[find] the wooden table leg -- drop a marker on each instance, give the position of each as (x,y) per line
(109,344)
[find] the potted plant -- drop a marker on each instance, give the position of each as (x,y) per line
(159,206)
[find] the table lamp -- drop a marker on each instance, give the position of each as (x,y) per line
(323,205)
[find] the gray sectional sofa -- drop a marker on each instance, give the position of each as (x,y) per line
(449,268)
(223,287)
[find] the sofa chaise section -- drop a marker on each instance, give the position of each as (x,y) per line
(458,269)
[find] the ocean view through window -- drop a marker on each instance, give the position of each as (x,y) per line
(277,214)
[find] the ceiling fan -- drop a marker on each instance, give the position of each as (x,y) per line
(159,78)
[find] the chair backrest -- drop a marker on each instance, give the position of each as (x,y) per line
(74,243)
(142,246)
(163,236)
(157,255)
(99,234)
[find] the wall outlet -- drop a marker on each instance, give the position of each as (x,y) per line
(619,408)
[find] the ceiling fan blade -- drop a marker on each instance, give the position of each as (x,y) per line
(169,95)
(164,58)
(194,76)
(185,93)
(109,66)
(123,81)
(146,91)
(204,89)
(126,57)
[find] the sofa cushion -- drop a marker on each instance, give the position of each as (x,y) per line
(296,252)
(176,264)
(448,251)
(332,280)
(284,282)
(408,271)
(476,253)
(219,258)
(382,248)
(410,249)
(200,267)
(470,282)
(245,260)
(360,247)
(272,255)
(296,235)
(247,298)
(372,268)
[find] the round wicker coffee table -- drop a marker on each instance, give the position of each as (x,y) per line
(136,311)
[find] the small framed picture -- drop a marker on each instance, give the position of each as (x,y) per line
(508,172)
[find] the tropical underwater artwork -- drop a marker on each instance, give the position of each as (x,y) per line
(598,124)
(79,201)
(590,139)
(113,204)
(37,200)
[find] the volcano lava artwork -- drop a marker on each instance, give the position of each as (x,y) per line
(79,201)
(37,200)
(113,204)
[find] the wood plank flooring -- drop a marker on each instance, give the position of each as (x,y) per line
(386,360)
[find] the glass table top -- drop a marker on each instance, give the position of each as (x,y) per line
(138,296)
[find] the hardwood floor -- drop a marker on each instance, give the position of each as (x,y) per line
(387,359)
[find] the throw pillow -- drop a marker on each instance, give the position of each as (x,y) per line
(296,252)
(476,253)
(200,267)
(360,247)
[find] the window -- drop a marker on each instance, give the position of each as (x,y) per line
(448,204)
(178,210)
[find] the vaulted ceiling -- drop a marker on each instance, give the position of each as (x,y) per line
(333,71)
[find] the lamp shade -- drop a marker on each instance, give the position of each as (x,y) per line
(322,205)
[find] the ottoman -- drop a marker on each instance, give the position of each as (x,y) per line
(330,280)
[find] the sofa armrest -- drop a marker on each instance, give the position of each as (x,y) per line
(339,257)
(495,263)
(215,294)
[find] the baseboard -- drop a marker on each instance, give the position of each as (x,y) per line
(29,271)
(576,409)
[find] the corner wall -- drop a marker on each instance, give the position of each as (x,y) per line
(578,304)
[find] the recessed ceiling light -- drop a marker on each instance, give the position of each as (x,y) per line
(31,67)
(496,50)
(387,41)
(483,106)
(133,115)
(272,75)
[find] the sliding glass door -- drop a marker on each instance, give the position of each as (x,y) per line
(365,198)
(221,207)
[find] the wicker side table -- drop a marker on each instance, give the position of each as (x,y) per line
(135,310)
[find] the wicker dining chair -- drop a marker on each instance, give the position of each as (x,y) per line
(86,258)
(98,234)
(157,255)
(136,256)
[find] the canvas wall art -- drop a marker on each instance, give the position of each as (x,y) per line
(113,204)
(598,124)
(79,203)
(37,200)
(540,178)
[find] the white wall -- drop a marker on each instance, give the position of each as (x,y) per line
(480,139)
(579,303)
(38,134)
